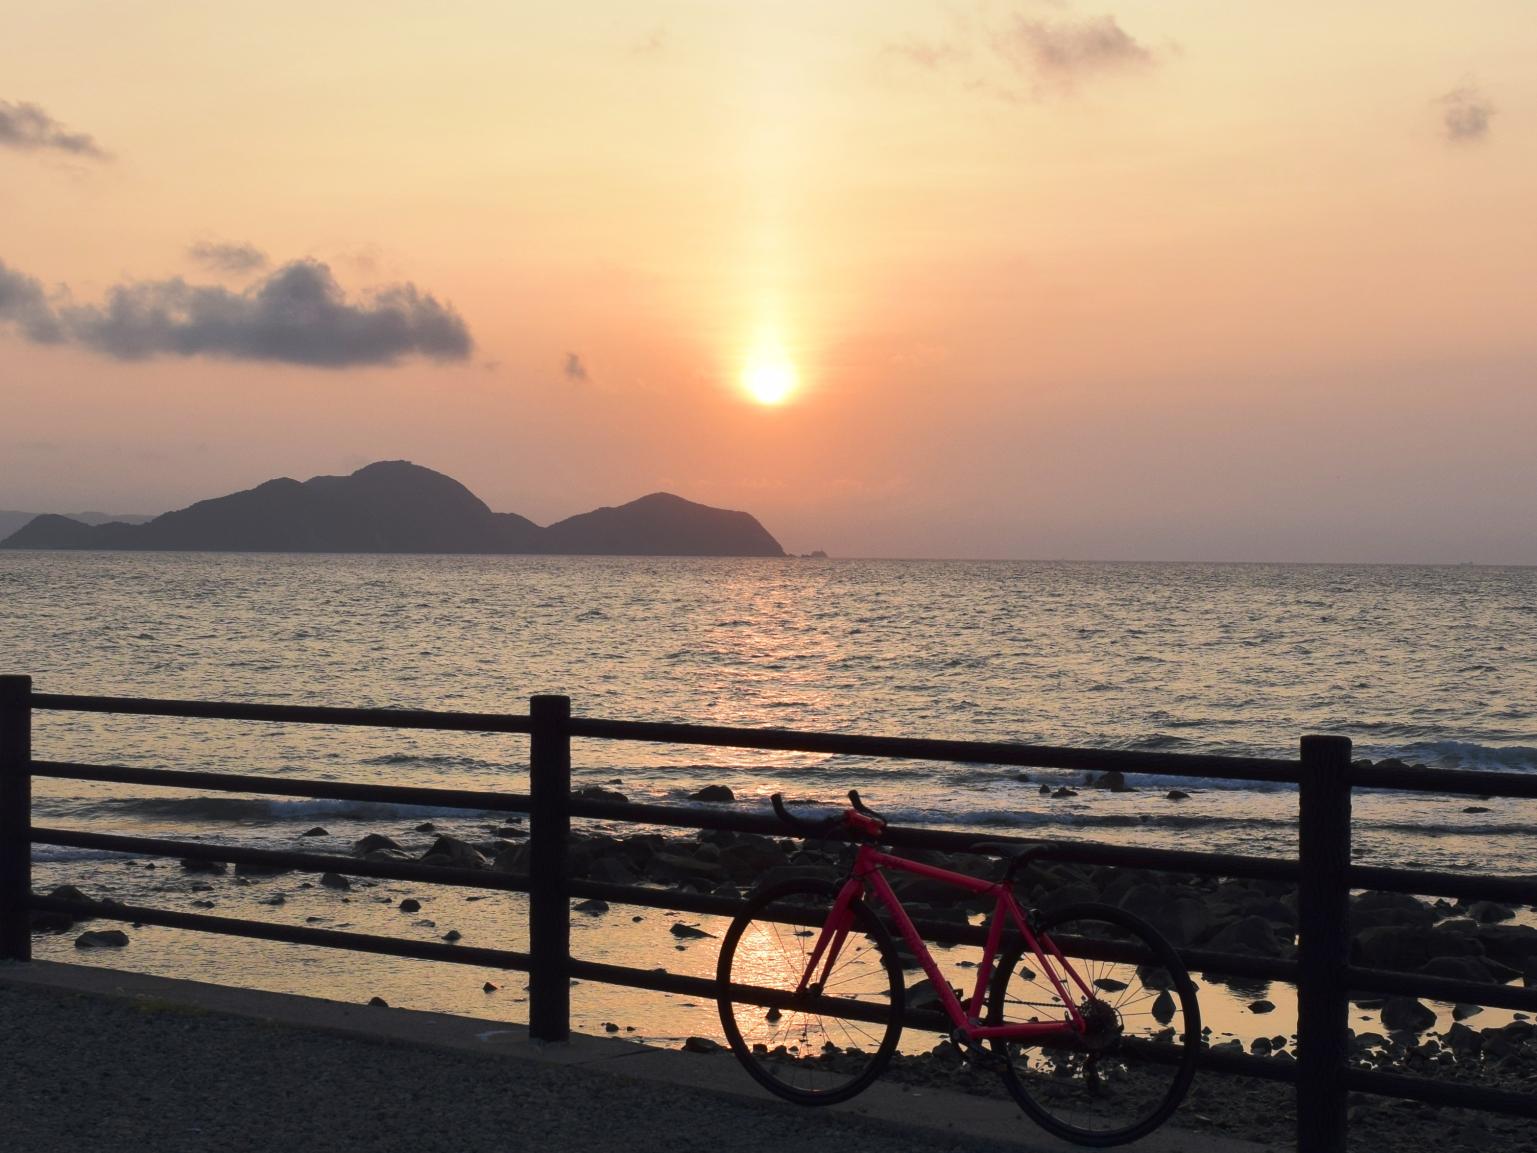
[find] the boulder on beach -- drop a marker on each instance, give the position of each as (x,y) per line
(101,939)
(410,905)
(687,932)
(454,853)
(373,842)
(713,793)
(599,793)
(1114,780)
(1407,1013)
(335,881)
(317,831)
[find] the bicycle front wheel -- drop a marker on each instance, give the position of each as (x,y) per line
(796,1047)
(1132,1066)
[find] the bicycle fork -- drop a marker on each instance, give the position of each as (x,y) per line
(835,931)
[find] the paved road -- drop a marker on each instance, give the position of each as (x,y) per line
(101,1061)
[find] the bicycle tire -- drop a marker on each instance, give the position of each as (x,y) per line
(1131,1073)
(805,1057)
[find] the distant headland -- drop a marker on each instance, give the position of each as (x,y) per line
(397,506)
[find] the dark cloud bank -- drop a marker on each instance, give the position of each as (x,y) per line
(27,128)
(296,315)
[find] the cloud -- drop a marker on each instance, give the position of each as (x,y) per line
(237,259)
(24,304)
(27,128)
(298,314)
(1024,52)
(1063,50)
(1465,114)
(574,369)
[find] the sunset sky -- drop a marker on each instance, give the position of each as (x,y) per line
(1152,280)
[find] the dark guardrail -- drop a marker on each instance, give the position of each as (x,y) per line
(1323,872)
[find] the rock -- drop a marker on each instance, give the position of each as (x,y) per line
(509,831)
(1176,795)
(488,987)
(1489,912)
(317,831)
(1044,790)
(410,905)
(599,793)
(252,869)
(613,870)
(701,1045)
(1064,791)
(1182,920)
(1461,1012)
(1233,1046)
(1407,1013)
(610,1027)
(380,1002)
(453,935)
(1163,1008)
(677,866)
(1114,780)
(1376,909)
(593,906)
(101,939)
(373,842)
(454,853)
(687,932)
(212,868)
(425,827)
(713,793)
(924,996)
(747,857)
(1262,1006)
(335,881)
(1512,944)
(1260,1046)
(1405,948)
(1462,1040)
(1458,968)
(1252,936)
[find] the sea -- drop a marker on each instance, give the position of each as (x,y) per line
(1430,665)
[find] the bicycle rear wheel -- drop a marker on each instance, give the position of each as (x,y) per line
(794,1048)
(1130,1070)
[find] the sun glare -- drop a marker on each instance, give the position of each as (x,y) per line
(768,377)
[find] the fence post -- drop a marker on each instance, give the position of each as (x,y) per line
(549,907)
(15,817)
(1323,943)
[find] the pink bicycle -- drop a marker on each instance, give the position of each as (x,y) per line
(1085,1011)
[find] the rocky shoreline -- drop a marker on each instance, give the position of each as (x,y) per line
(1481,941)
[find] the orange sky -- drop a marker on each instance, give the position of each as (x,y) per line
(1151,280)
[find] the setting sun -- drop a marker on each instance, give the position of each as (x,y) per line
(769,377)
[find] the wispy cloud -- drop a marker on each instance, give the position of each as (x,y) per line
(1064,50)
(574,369)
(1026,51)
(27,128)
(236,259)
(1465,114)
(296,315)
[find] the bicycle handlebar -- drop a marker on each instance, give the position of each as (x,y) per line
(826,828)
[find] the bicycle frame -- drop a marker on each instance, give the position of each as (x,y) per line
(867,876)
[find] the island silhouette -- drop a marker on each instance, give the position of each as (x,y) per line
(397,506)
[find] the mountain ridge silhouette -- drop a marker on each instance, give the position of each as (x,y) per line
(400,507)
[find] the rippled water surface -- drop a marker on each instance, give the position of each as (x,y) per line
(1437,665)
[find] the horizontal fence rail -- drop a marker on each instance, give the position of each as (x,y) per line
(1323,872)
